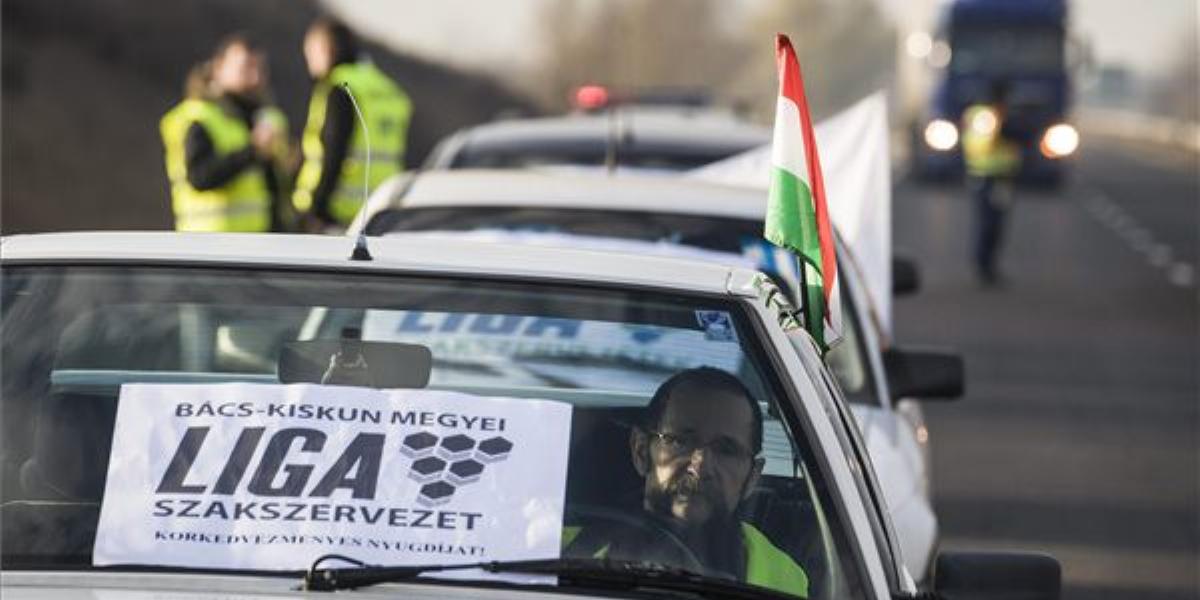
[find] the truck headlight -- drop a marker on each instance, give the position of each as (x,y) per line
(1059,140)
(941,134)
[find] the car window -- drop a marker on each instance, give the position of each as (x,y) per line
(665,159)
(209,417)
(848,359)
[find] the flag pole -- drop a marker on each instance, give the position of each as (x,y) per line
(805,306)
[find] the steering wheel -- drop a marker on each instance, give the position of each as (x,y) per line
(640,522)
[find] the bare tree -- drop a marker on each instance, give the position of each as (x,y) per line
(633,45)
(845,48)
(1178,94)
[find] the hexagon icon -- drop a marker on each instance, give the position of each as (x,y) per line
(493,449)
(436,493)
(426,469)
(418,444)
(464,472)
(456,447)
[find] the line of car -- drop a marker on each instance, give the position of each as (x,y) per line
(658,273)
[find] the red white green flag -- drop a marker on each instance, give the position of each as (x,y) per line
(797,216)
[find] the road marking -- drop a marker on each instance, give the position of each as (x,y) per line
(1181,274)
(1160,256)
(1140,240)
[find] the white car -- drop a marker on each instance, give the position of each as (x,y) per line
(880,382)
(252,416)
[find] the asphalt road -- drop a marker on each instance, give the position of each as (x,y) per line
(1079,432)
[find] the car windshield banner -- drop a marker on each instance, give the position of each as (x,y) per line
(271,477)
(517,350)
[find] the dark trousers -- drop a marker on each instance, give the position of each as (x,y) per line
(990,213)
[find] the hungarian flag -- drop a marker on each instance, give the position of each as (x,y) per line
(797,216)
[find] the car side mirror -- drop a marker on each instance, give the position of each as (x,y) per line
(997,576)
(924,374)
(906,276)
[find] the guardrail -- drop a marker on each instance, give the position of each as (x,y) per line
(1136,126)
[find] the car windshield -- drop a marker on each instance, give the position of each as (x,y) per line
(729,235)
(254,420)
(999,50)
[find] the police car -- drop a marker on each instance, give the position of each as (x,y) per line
(213,415)
(536,207)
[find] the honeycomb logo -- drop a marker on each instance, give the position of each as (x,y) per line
(444,464)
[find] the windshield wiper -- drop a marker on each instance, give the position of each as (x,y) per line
(585,572)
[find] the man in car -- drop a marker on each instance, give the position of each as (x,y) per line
(697,453)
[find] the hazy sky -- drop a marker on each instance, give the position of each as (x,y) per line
(464,32)
(1145,35)
(492,33)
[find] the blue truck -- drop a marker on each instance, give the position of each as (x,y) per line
(1023,43)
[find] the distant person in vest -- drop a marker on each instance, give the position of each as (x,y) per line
(333,180)
(992,155)
(224,147)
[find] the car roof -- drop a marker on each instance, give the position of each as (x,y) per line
(641,126)
(557,189)
(398,253)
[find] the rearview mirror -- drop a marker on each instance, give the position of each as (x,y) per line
(997,576)
(354,362)
(906,276)
(924,374)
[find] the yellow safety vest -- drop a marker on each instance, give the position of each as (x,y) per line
(386,110)
(766,565)
(770,567)
(985,152)
(243,203)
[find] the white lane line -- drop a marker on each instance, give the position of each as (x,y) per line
(1181,274)
(1160,256)
(1139,236)
(1140,240)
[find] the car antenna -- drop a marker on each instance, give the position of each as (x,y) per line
(612,140)
(360,251)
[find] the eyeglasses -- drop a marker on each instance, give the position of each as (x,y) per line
(675,445)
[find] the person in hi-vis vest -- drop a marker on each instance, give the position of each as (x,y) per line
(333,180)
(223,146)
(991,148)
(698,452)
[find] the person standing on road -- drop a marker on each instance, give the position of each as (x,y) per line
(992,158)
(330,186)
(223,146)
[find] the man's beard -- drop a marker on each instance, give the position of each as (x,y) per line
(709,538)
(686,484)
(688,487)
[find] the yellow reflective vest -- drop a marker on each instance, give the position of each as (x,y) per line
(243,203)
(385,109)
(985,152)
(766,565)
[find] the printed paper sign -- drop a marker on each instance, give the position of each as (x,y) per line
(270,477)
